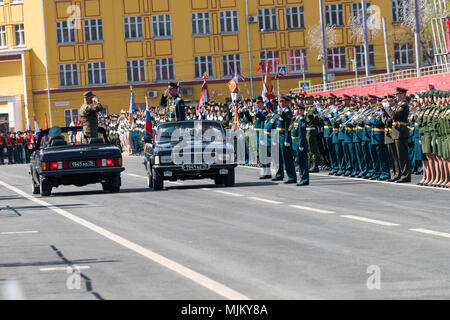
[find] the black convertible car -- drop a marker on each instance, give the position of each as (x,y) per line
(61,160)
(189,150)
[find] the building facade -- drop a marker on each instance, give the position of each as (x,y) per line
(51,51)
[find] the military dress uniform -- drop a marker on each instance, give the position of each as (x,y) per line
(285,117)
(266,154)
(10,142)
(2,147)
(300,146)
(174,105)
(312,122)
(18,149)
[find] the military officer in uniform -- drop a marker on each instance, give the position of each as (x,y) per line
(400,134)
(312,121)
(173,103)
(2,146)
(300,143)
(285,118)
(88,115)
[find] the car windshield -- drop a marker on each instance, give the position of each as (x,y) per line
(205,131)
(69,136)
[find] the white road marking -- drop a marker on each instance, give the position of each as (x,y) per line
(135,175)
(228,193)
(18,232)
(383,223)
(435,233)
(265,200)
(64,268)
(196,277)
(311,209)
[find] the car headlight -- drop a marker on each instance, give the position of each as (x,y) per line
(166,159)
(157,160)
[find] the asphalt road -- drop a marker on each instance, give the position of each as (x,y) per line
(259,240)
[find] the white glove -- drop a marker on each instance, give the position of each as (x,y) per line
(329,116)
(287,144)
(301,148)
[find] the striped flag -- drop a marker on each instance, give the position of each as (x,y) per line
(148,120)
(46,122)
(132,106)
(204,94)
(36,127)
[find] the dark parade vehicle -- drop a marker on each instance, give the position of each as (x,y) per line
(63,160)
(189,150)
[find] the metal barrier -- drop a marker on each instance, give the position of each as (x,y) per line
(380,78)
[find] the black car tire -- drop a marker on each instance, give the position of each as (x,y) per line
(219,180)
(149,181)
(157,180)
(46,187)
(115,183)
(36,189)
(229,180)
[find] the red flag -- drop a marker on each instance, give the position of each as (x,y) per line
(46,122)
(261,65)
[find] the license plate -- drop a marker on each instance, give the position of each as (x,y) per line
(191,167)
(82,164)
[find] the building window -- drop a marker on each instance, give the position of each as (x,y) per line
(361,56)
(334,15)
(298,61)
(19,34)
(70,117)
(229,22)
(267,19)
(271,60)
(403,54)
(200,23)
(64,32)
(68,75)
(93,30)
(162,26)
(400,10)
(358,14)
(136,71)
(336,58)
(164,69)
(295,17)
(15,1)
(96,73)
(203,64)
(231,64)
(132,27)
(2,36)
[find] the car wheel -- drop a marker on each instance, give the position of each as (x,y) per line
(229,180)
(36,189)
(158,182)
(46,187)
(115,183)
(219,180)
(149,181)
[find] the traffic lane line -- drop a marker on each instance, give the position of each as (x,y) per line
(145,177)
(434,233)
(311,209)
(265,200)
(17,232)
(196,277)
(73,268)
(379,222)
(231,194)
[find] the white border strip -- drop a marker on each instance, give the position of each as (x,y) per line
(435,233)
(383,223)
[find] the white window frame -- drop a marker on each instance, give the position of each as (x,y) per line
(19,34)
(231,64)
(337,52)
(68,70)
(70,113)
(267,18)
(231,17)
(360,57)
(2,37)
(136,71)
(338,10)
(203,64)
(92,69)
(295,60)
(61,28)
(164,66)
(93,27)
(398,11)
(298,16)
(16,1)
(162,22)
(357,13)
(272,59)
(403,50)
(128,25)
(200,20)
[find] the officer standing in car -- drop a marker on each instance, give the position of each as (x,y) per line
(88,115)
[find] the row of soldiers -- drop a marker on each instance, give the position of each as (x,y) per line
(16,147)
